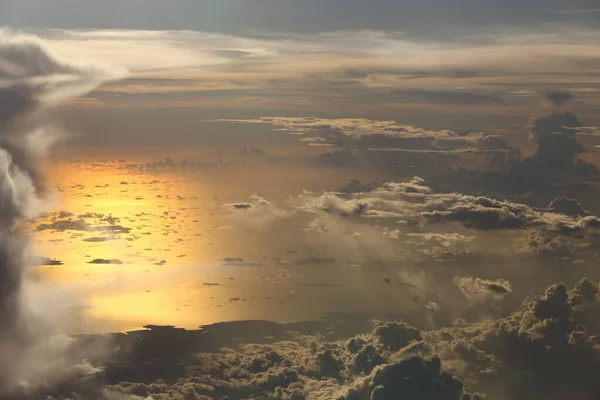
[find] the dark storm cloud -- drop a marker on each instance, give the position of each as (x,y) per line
(558,98)
(556,167)
(556,138)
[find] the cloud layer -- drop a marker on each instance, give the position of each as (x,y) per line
(496,74)
(546,348)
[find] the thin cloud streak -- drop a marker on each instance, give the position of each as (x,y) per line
(341,67)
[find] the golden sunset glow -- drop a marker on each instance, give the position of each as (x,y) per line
(144,243)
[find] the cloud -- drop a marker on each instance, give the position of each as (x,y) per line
(558,165)
(336,71)
(558,98)
(407,220)
(413,201)
(50,261)
(544,349)
(256,214)
(414,378)
(476,289)
(566,206)
(369,134)
(97,239)
(104,261)
(66,225)
(32,78)
(395,335)
(81,225)
(524,351)
(556,139)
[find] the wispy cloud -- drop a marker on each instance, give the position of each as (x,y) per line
(351,70)
(372,134)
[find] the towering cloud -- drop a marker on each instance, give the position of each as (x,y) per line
(557,140)
(558,98)
(31,79)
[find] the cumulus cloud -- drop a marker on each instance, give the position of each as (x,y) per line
(547,348)
(476,289)
(414,378)
(567,206)
(258,213)
(413,202)
(558,98)
(31,79)
(559,161)
(556,139)
(408,220)
(543,348)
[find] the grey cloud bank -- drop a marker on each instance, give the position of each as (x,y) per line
(35,351)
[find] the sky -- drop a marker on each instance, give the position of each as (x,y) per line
(463,65)
(261,199)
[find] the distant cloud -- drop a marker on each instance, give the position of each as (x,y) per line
(105,261)
(410,213)
(63,221)
(97,239)
(476,289)
(50,261)
(170,66)
(557,140)
(558,98)
(258,213)
(66,225)
(368,134)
